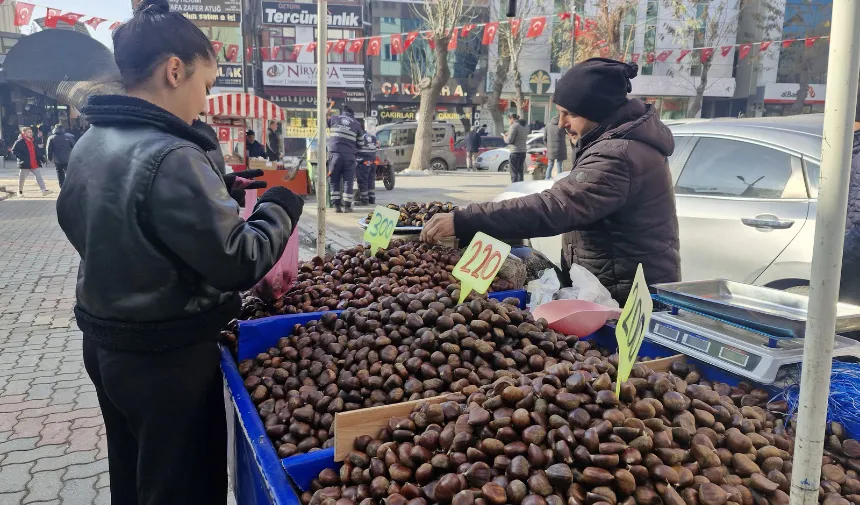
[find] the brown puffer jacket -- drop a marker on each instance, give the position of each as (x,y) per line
(616,208)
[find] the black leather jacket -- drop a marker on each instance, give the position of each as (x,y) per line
(162,246)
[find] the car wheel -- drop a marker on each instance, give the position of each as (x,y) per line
(505,166)
(438,165)
(388,178)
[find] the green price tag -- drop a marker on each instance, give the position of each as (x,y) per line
(632,326)
(381,228)
(480,264)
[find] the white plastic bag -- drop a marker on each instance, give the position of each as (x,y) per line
(543,289)
(586,287)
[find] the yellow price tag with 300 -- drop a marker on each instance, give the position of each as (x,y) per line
(632,326)
(381,228)
(480,264)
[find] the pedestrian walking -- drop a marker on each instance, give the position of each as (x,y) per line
(516,140)
(555,139)
(273,142)
(473,147)
(29,161)
(164,254)
(345,134)
(366,168)
(59,148)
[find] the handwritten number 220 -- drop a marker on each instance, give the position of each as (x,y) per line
(482,270)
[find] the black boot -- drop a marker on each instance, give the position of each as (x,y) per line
(337,207)
(347,208)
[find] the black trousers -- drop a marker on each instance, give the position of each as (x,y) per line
(518,161)
(165,421)
(61,172)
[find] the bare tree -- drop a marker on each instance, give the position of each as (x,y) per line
(599,34)
(802,62)
(432,72)
(708,25)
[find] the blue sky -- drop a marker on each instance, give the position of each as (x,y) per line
(115,10)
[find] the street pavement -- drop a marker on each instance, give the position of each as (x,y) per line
(52,440)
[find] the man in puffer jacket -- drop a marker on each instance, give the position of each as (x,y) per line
(59,149)
(849,287)
(516,139)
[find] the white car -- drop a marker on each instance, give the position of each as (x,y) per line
(745,192)
(498,160)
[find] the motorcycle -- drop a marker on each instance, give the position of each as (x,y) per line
(538,163)
(385,172)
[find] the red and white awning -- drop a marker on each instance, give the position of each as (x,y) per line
(244,105)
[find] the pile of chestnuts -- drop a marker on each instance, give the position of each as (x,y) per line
(417,214)
(401,348)
(565,438)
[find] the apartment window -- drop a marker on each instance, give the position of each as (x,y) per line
(386,54)
(285,38)
(649,47)
(628,32)
(334,35)
(652,12)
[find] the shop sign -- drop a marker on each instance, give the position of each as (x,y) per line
(224,17)
(540,82)
(206,6)
(296,14)
(309,101)
(302,75)
(229,76)
(409,89)
(787,93)
(395,115)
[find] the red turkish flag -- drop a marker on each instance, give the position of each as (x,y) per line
(52,17)
(490,30)
(23,13)
(374,45)
(536,26)
(706,54)
(452,41)
(725,50)
(340,46)
(810,41)
(95,22)
(431,39)
(744,50)
(787,43)
(264,53)
(663,56)
(71,18)
(355,45)
(464,32)
(217,46)
(249,53)
(515,26)
(763,46)
(223,134)
(684,52)
(328,46)
(396,44)
(297,50)
(410,38)
(115,25)
(564,16)
(276,50)
(312,46)
(232,52)
(635,58)
(649,58)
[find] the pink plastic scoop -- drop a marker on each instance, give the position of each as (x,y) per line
(575,317)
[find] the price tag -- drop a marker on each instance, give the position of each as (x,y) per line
(381,227)
(480,264)
(632,326)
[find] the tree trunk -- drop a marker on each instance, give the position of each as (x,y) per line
(429,92)
(696,106)
(518,88)
(802,91)
(501,75)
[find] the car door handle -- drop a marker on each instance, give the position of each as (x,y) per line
(775,223)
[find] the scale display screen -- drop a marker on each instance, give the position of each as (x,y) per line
(734,356)
(697,342)
(665,331)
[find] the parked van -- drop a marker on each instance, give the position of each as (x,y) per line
(397,141)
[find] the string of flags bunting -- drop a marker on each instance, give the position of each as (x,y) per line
(24,14)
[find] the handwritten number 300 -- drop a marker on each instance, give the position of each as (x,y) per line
(387,225)
(489,255)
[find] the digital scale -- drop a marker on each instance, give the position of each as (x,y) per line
(721,323)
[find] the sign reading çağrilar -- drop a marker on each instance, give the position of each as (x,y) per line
(295,14)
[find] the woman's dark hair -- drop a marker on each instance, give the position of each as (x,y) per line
(153,35)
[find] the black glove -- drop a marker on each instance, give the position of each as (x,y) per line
(237,192)
(288,200)
(230,179)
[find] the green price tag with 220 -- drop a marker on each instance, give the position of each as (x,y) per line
(480,263)
(381,228)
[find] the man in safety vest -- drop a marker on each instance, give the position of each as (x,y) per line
(367,169)
(345,132)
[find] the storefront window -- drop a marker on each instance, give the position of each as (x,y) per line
(674,108)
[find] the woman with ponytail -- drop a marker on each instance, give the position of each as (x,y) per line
(163,255)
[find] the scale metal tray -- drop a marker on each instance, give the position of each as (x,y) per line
(397,230)
(767,310)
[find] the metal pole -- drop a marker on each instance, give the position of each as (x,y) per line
(322,112)
(842,73)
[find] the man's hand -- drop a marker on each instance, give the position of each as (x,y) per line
(439,227)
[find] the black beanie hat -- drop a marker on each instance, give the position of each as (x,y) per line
(595,88)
